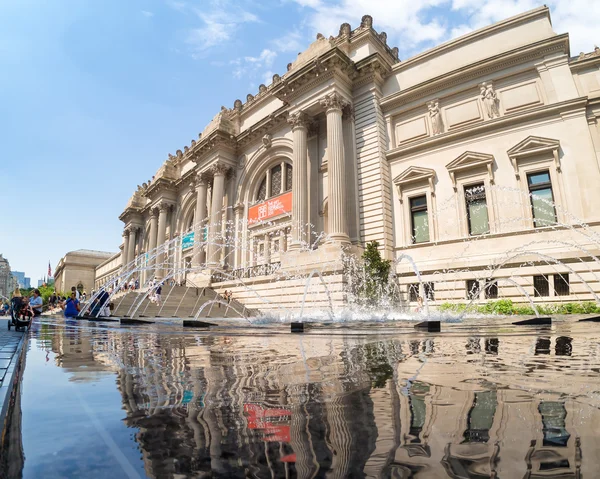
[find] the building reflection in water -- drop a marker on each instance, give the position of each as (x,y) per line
(344,407)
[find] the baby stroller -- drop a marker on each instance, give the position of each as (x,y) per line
(20,314)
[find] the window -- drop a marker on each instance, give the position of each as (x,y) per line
(272,183)
(413,292)
(561,284)
(541,286)
(419,220)
(473,289)
(542,199)
(477,212)
(276,180)
(288,177)
(429,290)
(262,190)
(491,289)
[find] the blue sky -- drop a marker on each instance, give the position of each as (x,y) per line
(94,94)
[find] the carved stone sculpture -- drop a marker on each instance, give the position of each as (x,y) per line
(299,119)
(289,67)
(237,105)
(267,141)
(489,99)
(320,36)
(366,21)
(436,117)
(249,97)
(383,37)
(276,78)
(345,30)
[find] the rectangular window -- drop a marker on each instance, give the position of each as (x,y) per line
(542,199)
(419,219)
(477,211)
(561,284)
(541,286)
(429,289)
(413,292)
(473,289)
(491,289)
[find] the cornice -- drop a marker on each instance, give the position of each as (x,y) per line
(314,72)
(374,68)
(473,36)
(128,212)
(217,139)
(485,67)
(158,186)
(585,61)
(496,123)
(262,127)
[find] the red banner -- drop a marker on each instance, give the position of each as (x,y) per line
(271,208)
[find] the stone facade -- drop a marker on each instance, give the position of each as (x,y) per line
(7,281)
(78,268)
(435,158)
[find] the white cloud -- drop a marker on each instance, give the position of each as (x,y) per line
(252,66)
(294,41)
(146,13)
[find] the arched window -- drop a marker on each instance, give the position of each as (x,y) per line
(276,180)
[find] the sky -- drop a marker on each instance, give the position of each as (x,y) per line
(94,94)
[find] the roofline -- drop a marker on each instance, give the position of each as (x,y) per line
(543,11)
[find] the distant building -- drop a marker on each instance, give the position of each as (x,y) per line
(22,280)
(7,281)
(78,268)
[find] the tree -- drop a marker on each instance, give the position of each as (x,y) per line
(376,274)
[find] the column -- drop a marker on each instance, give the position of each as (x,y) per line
(160,238)
(199,220)
(131,244)
(216,214)
(152,240)
(338,229)
(238,210)
(125,247)
(268,248)
(299,122)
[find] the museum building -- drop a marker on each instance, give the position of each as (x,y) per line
(478,161)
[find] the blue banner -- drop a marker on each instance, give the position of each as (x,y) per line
(187,240)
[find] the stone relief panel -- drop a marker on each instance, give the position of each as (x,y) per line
(463,113)
(520,96)
(412,129)
(489,100)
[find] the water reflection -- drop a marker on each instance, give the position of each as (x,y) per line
(285,406)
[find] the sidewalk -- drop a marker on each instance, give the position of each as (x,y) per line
(11,345)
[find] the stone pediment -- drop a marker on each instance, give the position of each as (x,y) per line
(414,174)
(534,145)
(468,161)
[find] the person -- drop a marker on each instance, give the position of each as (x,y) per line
(229,296)
(71,306)
(225,295)
(101,305)
(419,307)
(137,283)
(84,296)
(36,303)
(74,290)
(157,294)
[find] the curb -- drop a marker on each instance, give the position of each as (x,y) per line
(9,388)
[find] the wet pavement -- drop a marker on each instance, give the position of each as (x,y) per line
(481,399)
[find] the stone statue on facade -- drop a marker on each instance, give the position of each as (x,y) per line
(489,99)
(435,115)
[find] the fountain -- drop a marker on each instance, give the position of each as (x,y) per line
(307,294)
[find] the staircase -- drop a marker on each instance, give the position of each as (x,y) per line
(177,302)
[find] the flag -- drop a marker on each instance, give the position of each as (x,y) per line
(49,270)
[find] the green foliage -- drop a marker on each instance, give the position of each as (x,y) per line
(376,274)
(506,307)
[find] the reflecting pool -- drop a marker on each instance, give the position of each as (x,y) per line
(482,399)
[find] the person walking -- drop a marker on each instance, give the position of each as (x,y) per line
(157,294)
(74,290)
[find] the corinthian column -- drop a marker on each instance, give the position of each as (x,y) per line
(125,248)
(299,122)
(152,239)
(161,236)
(131,244)
(338,229)
(199,219)
(216,214)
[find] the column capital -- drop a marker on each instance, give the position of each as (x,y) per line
(333,101)
(348,112)
(126,232)
(219,169)
(201,179)
(299,120)
(163,206)
(238,207)
(153,212)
